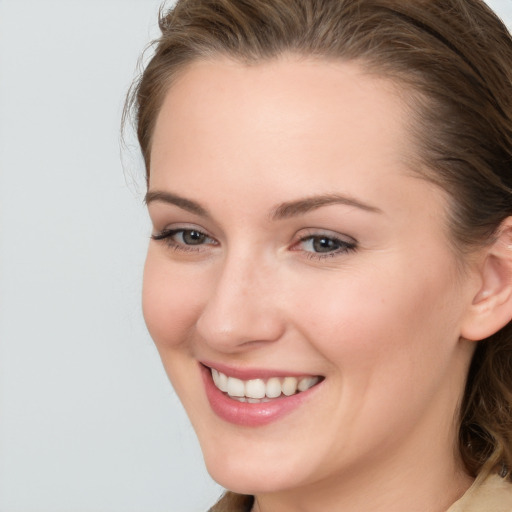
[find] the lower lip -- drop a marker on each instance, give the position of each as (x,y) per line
(250,415)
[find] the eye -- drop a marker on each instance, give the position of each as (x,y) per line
(184,239)
(190,237)
(323,245)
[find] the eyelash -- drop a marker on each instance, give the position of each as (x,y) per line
(344,246)
(166,236)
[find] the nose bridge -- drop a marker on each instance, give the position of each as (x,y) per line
(241,307)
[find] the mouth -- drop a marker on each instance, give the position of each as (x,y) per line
(255,398)
(255,391)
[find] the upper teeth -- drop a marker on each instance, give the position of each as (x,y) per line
(259,388)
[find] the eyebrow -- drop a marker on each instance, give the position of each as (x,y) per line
(181,202)
(301,206)
(279,212)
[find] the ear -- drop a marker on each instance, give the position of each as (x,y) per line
(491,307)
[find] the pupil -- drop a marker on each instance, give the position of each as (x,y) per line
(324,245)
(193,237)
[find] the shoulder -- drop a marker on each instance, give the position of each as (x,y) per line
(492,494)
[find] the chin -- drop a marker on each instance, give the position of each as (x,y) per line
(258,464)
(237,475)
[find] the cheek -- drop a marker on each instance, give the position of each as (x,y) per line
(388,342)
(171,301)
(366,320)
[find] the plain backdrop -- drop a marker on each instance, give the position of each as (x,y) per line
(88,420)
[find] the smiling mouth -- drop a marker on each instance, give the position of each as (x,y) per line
(262,390)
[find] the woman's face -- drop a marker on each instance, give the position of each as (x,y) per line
(293,247)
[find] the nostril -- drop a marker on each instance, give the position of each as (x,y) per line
(245,327)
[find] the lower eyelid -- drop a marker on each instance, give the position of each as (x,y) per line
(166,236)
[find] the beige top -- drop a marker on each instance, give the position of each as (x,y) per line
(494,494)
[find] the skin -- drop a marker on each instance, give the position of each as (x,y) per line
(381,322)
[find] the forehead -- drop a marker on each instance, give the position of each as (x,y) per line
(287,127)
(286,101)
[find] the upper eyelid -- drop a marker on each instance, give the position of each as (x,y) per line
(172,231)
(183,227)
(339,239)
(301,235)
(166,237)
(313,232)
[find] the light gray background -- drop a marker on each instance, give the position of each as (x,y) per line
(88,421)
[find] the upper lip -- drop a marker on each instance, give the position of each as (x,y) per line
(254,373)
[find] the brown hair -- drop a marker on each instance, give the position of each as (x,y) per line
(454,59)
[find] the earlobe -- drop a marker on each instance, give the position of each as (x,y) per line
(491,307)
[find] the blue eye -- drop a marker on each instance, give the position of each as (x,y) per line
(184,239)
(321,246)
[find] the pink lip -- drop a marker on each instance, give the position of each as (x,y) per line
(252,373)
(246,414)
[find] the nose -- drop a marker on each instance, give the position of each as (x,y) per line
(242,309)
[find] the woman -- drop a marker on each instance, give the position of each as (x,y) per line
(329,280)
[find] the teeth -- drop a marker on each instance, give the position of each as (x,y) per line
(220,380)
(306,383)
(257,390)
(273,388)
(289,386)
(215,376)
(235,387)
